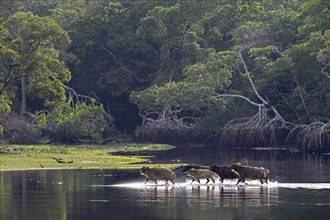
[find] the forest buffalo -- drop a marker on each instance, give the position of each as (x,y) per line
(198,174)
(157,173)
(225,172)
(189,166)
(249,172)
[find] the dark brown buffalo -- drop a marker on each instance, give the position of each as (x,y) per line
(225,172)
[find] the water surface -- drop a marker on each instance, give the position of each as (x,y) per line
(299,189)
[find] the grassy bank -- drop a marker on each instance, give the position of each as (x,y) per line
(18,157)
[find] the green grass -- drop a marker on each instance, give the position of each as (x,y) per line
(84,156)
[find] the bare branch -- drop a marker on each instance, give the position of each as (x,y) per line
(167,119)
(129,72)
(286,101)
(239,96)
(250,80)
(326,65)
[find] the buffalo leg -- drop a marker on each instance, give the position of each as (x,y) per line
(208,180)
(241,179)
(146,181)
(266,180)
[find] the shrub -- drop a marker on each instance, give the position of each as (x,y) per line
(67,123)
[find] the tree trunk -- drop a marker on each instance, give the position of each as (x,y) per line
(23,100)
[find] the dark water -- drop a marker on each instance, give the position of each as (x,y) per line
(299,189)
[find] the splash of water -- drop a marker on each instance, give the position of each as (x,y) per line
(301,185)
(251,184)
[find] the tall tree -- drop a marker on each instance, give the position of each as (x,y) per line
(261,47)
(33,44)
(112,59)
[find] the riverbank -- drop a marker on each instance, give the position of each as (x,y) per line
(33,157)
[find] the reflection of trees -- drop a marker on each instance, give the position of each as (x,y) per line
(32,192)
(42,194)
(162,198)
(212,155)
(248,199)
(206,202)
(202,201)
(66,195)
(284,165)
(6,200)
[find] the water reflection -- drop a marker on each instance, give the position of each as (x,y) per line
(299,189)
(187,201)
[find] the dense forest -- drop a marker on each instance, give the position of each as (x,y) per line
(234,73)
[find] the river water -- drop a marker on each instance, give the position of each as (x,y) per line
(299,189)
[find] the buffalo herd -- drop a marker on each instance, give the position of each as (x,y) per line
(199,172)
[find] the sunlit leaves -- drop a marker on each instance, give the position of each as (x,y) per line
(65,123)
(262,56)
(177,31)
(212,73)
(314,16)
(322,43)
(190,49)
(217,25)
(68,12)
(31,50)
(253,34)
(152,28)
(266,35)
(34,31)
(5,104)
(173,96)
(200,81)
(47,82)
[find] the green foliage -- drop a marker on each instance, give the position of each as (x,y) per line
(5,104)
(172,55)
(30,48)
(193,93)
(69,124)
(67,12)
(284,46)
(314,16)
